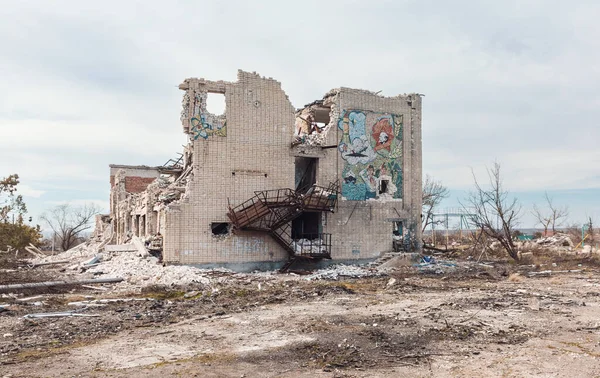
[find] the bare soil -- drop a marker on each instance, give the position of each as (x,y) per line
(476,321)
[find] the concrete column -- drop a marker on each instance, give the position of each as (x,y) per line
(135,220)
(142,225)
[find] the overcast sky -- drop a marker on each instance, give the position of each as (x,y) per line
(85,84)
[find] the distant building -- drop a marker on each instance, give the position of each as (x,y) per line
(264,184)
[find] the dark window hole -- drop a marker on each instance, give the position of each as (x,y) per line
(220,228)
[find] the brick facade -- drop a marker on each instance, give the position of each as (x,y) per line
(134,184)
(369,143)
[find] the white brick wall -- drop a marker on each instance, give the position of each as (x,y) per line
(260,125)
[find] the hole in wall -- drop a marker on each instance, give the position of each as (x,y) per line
(383,188)
(215,103)
(220,228)
(321,115)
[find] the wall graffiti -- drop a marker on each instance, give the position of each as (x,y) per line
(249,245)
(371,146)
(204,124)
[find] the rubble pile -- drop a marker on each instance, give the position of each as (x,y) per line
(341,270)
(433,266)
(146,271)
(141,269)
(556,240)
(137,269)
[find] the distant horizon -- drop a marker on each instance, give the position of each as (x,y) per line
(522,230)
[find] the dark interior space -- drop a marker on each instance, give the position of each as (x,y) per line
(220,228)
(306,226)
(306,173)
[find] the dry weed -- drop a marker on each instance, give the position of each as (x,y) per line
(516,277)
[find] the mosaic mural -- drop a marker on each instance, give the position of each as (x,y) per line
(371,147)
(203,124)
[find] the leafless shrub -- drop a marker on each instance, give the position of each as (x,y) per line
(68,222)
(552,216)
(433,194)
(493,212)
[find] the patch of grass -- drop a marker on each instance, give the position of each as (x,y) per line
(198,359)
(35,354)
(367,285)
(565,260)
(516,277)
(162,292)
(582,350)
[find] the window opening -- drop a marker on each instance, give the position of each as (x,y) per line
(219,228)
(306,173)
(383,187)
(215,103)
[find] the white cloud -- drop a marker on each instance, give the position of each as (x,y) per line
(86,84)
(104,206)
(28,191)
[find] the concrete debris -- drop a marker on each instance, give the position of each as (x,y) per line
(154,243)
(58,315)
(558,239)
(48,284)
(99,288)
(30,299)
(136,269)
(104,302)
(341,270)
(550,272)
(50,263)
(558,242)
(34,250)
(93,261)
(142,271)
(120,248)
(435,266)
(139,244)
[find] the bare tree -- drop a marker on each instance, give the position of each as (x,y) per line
(552,217)
(68,222)
(558,215)
(590,231)
(493,212)
(433,194)
(543,219)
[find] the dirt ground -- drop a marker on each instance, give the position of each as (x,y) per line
(492,320)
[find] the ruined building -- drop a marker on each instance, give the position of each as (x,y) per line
(264,184)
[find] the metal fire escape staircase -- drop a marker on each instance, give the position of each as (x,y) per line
(273,211)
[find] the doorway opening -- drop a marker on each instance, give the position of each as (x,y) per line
(307,226)
(305,173)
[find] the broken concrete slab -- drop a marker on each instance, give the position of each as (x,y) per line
(400,260)
(120,248)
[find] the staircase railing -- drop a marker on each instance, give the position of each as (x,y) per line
(283,237)
(313,246)
(248,212)
(273,210)
(277,197)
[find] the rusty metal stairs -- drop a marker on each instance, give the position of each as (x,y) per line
(272,211)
